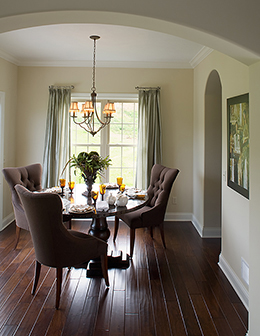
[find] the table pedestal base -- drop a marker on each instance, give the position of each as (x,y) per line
(99,229)
(113,261)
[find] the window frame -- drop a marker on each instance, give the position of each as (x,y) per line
(104,135)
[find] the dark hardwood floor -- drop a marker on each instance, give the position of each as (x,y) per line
(177,291)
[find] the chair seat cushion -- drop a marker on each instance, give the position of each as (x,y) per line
(134,219)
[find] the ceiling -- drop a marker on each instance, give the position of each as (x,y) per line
(119,46)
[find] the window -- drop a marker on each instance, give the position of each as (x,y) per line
(118,140)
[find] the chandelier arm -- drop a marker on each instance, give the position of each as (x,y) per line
(81,124)
(98,118)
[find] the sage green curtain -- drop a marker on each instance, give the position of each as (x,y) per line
(57,135)
(149,148)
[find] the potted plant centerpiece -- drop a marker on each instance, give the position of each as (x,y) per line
(90,165)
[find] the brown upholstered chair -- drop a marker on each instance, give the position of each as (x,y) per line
(30,177)
(55,245)
(153,213)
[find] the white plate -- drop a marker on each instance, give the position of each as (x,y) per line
(77,209)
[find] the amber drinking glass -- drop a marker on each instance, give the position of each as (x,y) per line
(94,195)
(71,186)
(102,190)
(62,185)
(119,181)
(122,188)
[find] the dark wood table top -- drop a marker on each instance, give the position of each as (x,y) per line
(77,198)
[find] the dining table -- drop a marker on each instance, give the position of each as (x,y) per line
(98,213)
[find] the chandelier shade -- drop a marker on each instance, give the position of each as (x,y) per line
(89,117)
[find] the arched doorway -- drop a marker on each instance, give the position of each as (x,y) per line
(213,156)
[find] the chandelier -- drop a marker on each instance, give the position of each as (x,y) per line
(88,117)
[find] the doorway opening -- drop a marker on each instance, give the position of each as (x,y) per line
(213,156)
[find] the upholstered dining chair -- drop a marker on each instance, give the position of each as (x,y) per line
(151,215)
(55,245)
(30,177)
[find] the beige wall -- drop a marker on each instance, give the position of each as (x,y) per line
(8,85)
(176,103)
(235,208)
(254,237)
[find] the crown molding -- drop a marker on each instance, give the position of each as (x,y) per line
(201,55)
(9,58)
(107,64)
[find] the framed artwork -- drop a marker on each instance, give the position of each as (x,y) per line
(238,144)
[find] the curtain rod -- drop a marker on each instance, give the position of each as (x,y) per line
(147,88)
(61,87)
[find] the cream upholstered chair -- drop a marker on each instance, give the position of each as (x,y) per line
(55,245)
(30,177)
(151,215)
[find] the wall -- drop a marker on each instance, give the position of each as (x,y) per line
(176,105)
(8,85)
(254,237)
(235,208)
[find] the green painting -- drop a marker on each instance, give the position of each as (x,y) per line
(238,144)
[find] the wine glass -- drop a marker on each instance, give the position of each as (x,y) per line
(122,188)
(71,186)
(119,181)
(62,185)
(94,195)
(102,190)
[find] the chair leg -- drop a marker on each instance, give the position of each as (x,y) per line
(58,286)
(104,268)
(132,241)
(36,275)
(17,234)
(116,228)
(162,235)
(69,226)
(151,231)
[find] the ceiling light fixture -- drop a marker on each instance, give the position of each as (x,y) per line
(89,115)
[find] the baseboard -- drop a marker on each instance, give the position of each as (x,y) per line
(7,221)
(208,232)
(235,282)
(178,216)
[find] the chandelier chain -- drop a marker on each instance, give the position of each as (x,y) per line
(94,68)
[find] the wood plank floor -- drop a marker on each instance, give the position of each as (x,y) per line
(178,291)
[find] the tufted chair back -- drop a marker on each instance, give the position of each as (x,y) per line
(152,214)
(30,177)
(160,186)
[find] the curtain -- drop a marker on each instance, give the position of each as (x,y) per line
(149,148)
(57,135)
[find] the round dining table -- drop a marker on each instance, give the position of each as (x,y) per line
(99,226)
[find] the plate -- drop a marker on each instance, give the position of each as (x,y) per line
(80,209)
(111,186)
